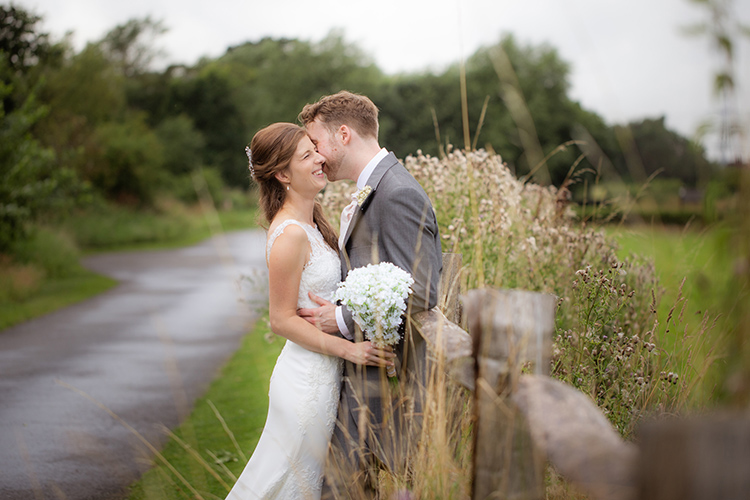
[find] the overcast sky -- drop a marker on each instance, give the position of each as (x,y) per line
(629,59)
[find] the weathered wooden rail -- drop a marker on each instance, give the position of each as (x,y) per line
(526,420)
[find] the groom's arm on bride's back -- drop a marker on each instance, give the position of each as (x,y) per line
(323,316)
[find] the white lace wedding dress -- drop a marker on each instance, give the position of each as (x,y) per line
(303,398)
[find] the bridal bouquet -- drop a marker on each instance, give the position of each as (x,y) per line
(376,295)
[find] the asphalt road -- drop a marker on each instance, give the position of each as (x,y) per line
(145,350)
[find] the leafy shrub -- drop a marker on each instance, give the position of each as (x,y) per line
(51,251)
(190,187)
(127,164)
(109,226)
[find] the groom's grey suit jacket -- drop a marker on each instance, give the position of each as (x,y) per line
(397,224)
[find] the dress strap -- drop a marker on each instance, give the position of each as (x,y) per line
(280,229)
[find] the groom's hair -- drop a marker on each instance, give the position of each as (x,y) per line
(344,108)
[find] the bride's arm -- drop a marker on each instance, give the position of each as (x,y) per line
(287,258)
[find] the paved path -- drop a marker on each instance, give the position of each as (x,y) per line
(145,349)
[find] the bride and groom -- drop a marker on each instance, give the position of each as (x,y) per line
(328,411)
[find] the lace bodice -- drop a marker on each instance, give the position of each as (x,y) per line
(322,273)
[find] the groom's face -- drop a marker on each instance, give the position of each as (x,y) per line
(325,145)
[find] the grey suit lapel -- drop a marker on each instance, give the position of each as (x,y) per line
(374,180)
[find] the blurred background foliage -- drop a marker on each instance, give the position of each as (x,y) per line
(102,122)
(98,149)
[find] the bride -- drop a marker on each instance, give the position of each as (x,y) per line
(302,256)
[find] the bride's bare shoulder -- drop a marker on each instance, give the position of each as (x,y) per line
(289,243)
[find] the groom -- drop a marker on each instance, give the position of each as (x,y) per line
(392,221)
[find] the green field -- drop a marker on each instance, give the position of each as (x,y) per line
(698,256)
(694,267)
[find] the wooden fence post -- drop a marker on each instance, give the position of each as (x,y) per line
(695,458)
(509,328)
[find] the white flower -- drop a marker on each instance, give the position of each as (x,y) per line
(532,243)
(376,295)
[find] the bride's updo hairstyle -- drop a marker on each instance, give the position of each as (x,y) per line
(271,151)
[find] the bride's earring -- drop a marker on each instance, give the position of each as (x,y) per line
(287,188)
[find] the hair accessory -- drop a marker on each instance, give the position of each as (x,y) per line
(250,161)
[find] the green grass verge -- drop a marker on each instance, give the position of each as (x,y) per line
(54,294)
(143,231)
(240,394)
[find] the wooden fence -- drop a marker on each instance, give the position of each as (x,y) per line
(527,420)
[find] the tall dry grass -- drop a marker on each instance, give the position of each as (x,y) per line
(423,450)
(513,233)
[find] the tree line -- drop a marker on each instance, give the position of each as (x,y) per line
(101,123)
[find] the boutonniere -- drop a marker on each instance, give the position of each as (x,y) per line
(361,195)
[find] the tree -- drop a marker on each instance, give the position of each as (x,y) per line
(86,85)
(131,46)
(252,85)
(91,125)
(24,50)
(32,183)
(528,112)
(20,42)
(667,153)
(84,93)
(274,78)
(182,144)
(207,99)
(410,106)
(127,163)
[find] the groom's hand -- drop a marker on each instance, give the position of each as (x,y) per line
(323,317)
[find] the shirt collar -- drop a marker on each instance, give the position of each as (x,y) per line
(365,175)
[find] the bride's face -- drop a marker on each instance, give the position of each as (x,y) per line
(306,169)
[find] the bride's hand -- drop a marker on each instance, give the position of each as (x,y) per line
(364,353)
